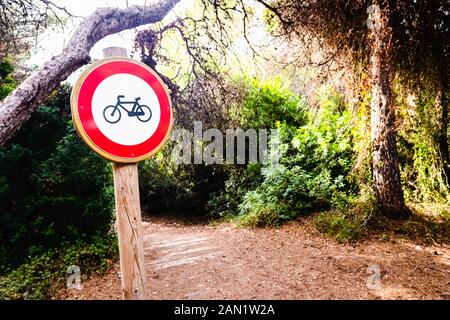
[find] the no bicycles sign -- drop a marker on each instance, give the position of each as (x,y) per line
(121,109)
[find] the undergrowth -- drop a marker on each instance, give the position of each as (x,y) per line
(42,275)
(428,224)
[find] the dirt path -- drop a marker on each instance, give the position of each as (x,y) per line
(201,261)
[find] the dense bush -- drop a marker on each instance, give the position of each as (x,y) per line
(265,104)
(53,190)
(315,161)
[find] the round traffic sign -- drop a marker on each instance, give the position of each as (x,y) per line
(121,109)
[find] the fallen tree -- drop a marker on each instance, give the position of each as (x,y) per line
(18,106)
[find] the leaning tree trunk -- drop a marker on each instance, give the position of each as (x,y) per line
(18,106)
(386,173)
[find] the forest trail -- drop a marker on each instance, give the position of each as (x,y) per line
(201,261)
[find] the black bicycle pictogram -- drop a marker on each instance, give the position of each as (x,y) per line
(112,114)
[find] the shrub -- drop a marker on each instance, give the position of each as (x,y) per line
(265,104)
(315,161)
(350,222)
(269,102)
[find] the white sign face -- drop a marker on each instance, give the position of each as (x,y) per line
(117,113)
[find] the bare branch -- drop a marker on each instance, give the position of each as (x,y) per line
(61,8)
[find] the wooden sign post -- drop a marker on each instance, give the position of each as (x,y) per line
(122,110)
(129,231)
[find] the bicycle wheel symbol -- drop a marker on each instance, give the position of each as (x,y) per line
(112,114)
(144,113)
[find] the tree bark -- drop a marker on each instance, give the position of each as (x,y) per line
(18,106)
(386,173)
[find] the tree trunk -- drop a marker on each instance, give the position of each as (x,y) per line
(18,106)
(386,173)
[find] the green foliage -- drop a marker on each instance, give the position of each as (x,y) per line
(40,275)
(53,190)
(445,215)
(315,161)
(422,168)
(7,81)
(269,102)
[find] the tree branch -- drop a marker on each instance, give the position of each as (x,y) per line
(18,106)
